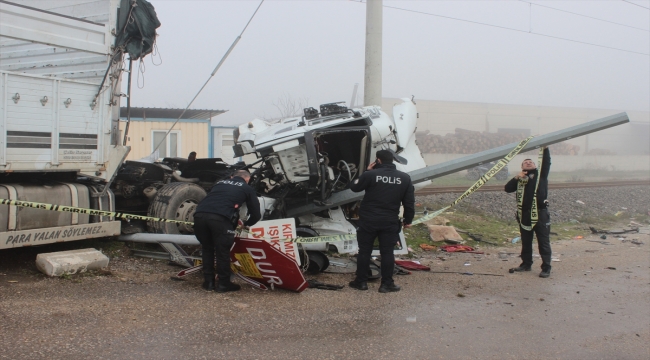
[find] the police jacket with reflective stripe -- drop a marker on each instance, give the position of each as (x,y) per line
(227,196)
(386,189)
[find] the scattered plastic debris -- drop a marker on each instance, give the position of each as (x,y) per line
(578,237)
(444,233)
(467,263)
(610,268)
(411,319)
(427,247)
(479,238)
(580,202)
(315,284)
(619,213)
(411,265)
(600,242)
(456,248)
(555,259)
(516,239)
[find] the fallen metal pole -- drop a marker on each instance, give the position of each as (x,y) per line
(465,162)
(161,238)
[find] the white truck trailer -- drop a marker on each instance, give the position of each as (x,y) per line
(59,107)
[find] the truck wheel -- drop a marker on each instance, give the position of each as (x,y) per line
(502,175)
(175,201)
(318,260)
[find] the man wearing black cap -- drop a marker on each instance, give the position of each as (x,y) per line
(214,225)
(386,189)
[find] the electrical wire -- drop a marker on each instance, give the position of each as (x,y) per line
(210,78)
(512,29)
(590,17)
(629,2)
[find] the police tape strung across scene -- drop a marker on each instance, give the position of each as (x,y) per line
(72,209)
(317,239)
(480,182)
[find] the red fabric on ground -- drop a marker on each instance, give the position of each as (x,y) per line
(456,248)
(410,265)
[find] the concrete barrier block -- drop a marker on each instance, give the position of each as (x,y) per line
(70,262)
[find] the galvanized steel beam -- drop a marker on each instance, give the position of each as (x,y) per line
(465,162)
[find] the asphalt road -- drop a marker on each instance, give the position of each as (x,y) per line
(584,311)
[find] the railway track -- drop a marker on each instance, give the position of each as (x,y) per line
(566,185)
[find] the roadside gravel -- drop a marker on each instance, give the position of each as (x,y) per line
(564,205)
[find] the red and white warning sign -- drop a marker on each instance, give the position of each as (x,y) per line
(274,231)
(261,262)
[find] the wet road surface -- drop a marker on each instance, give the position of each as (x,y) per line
(584,311)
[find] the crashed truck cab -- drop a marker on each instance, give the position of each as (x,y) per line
(306,159)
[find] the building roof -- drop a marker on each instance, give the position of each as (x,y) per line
(163,113)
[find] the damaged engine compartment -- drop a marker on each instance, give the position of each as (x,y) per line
(306,159)
(300,160)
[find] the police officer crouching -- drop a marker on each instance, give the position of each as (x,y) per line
(386,189)
(215,221)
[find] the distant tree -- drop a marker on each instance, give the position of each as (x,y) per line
(290,107)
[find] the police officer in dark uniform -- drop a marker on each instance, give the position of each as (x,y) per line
(215,221)
(531,186)
(386,189)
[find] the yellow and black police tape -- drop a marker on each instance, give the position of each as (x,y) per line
(78,210)
(480,182)
(119,215)
(305,240)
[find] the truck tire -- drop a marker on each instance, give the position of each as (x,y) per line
(502,175)
(318,260)
(175,201)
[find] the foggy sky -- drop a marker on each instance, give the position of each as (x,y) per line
(315,50)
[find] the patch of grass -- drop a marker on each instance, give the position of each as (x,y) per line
(468,220)
(568,231)
(66,276)
(500,232)
(488,228)
(599,220)
(416,235)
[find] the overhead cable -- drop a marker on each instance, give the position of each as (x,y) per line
(517,30)
(590,17)
(211,75)
(629,2)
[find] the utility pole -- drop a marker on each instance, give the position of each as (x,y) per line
(372,80)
